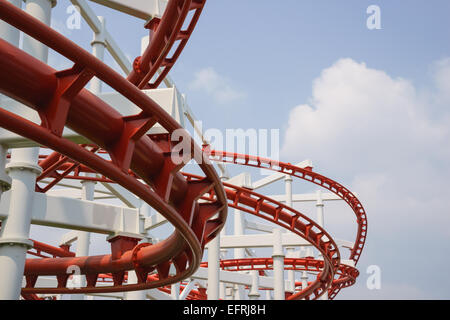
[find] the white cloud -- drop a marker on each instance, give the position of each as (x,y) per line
(215,85)
(390,143)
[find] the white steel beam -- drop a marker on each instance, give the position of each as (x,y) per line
(155,220)
(278,175)
(23,170)
(96,25)
(232,277)
(69,238)
(266,240)
(79,214)
(155,294)
(257,226)
(127,197)
(143,9)
(306,197)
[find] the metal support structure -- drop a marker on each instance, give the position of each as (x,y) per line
(319,206)
(278,266)
(130,129)
(290,253)
(175,291)
(213,268)
(134,295)
(254,293)
(88,187)
(239,253)
(187,289)
(23,169)
(14,233)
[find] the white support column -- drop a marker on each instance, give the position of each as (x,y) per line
(304,279)
(133,295)
(290,253)
(290,250)
(98,50)
(238,292)
(268,294)
(223,256)
(14,234)
(88,187)
(239,253)
(175,291)
(84,238)
(145,210)
(222,291)
(320,221)
(23,169)
(288,188)
(213,268)
(41,10)
(278,265)
(319,206)
(254,288)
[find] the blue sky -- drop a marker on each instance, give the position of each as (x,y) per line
(369,107)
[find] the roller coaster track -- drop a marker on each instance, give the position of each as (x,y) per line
(262,207)
(347,273)
(61,101)
(310,176)
(144,164)
(164,33)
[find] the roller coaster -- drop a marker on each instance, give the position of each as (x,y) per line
(73,136)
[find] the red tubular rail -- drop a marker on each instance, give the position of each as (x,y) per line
(305,174)
(164,33)
(310,176)
(60,100)
(275,212)
(347,273)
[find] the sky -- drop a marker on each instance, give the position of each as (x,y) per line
(368,107)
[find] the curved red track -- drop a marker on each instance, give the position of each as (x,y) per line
(144,164)
(265,208)
(61,101)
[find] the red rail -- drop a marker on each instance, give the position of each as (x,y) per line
(60,100)
(164,33)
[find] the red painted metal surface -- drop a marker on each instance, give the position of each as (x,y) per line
(266,208)
(144,164)
(165,33)
(278,213)
(61,101)
(347,274)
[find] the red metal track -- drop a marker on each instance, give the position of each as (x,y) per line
(265,208)
(310,176)
(287,168)
(347,273)
(61,101)
(163,35)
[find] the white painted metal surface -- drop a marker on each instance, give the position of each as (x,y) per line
(78,207)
